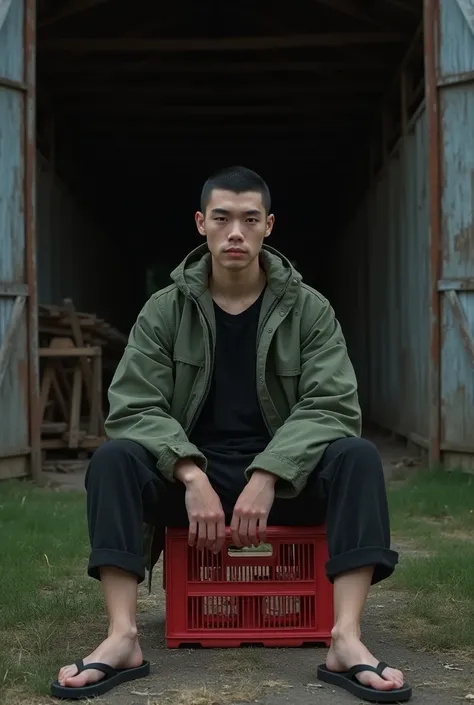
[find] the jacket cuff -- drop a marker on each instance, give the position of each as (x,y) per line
(170,456)
(291,479)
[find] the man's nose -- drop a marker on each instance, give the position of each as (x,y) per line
(236,231)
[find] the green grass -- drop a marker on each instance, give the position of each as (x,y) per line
(51,612)
(48,605)
(432,515)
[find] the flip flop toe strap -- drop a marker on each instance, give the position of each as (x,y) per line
(108,671)
(379,669)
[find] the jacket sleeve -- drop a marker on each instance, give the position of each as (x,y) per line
(327,408)
(141,392)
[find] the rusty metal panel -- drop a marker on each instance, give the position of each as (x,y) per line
(456,50)
(11,42)
(19,436)
(13,391)
(456,110)
(386,320)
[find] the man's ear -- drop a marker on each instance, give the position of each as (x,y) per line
(199,218)
(270,224)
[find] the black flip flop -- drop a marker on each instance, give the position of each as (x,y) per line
(113,677)
(348,681)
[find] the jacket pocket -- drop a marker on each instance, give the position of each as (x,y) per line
(288,378)
(188,382)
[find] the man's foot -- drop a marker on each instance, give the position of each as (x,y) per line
(348,651)
(118,651)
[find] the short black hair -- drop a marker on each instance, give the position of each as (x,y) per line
(237,179)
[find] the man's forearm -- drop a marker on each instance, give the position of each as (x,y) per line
(264,476)
(186,471)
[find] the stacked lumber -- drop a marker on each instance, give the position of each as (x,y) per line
(75,350)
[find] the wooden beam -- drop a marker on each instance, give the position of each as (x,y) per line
(187,111)
(138,131)
(69,352)
(67,9)
(96,68)
(128,91)
(353,9)
(147,45)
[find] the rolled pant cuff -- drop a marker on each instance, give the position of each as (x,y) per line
(107,558)
(384,561)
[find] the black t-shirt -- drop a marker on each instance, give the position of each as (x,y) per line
(230,430)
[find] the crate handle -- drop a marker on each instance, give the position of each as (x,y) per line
(265,550)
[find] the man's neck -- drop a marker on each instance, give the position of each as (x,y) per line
(235,291)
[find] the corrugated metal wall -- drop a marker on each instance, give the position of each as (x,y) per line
(18,340)
(456,107)
(77,259)
(382,293)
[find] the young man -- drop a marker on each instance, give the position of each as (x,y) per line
(236,402)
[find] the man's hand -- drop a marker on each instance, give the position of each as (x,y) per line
(249,520)
(205,513)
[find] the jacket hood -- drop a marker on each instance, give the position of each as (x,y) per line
(192,275)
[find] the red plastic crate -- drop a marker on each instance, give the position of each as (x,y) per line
(283,599)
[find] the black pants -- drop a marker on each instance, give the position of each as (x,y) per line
(346,490)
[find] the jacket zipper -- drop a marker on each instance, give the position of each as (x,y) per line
(207,388)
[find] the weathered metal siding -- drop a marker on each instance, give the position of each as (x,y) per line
(385,269)
(456,130)
(77,259)
(19,434)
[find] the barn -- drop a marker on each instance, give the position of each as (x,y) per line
(358,113)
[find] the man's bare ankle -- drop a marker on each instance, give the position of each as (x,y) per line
(124,631)
(347,630)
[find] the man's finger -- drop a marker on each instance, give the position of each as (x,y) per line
(211,534)
(262,529)
(192,533)
(234,530)
(252,532)
(244,531)
(202,535)
(220,536)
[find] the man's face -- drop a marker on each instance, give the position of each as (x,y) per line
(235,225)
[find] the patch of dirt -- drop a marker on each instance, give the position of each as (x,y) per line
(280,676)
(458,535)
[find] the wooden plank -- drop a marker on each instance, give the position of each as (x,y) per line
(70,352)
(51,428)
(61,401)
(462,322)
(7,343)
(459,284)
(46,383)
(84,443)
(75,416)
(288,41)
(96,399)
(85,366)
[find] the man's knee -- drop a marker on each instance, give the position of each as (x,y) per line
(359,452)
(110,458)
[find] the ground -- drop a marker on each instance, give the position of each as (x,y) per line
(280,676)
(431,641)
